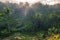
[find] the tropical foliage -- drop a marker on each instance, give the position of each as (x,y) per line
(33,26)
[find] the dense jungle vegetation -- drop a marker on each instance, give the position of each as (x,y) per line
(24,22)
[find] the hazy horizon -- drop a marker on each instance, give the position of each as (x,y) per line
(49,2)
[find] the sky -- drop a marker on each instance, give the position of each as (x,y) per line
(50,2)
